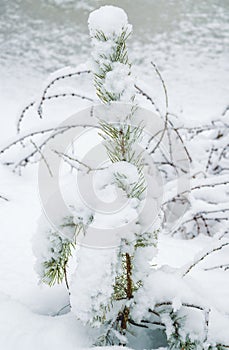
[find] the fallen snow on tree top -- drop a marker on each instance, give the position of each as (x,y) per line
(110,20)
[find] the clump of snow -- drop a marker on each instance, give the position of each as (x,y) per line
(92,283)
(119,80)
(105,182)
(47,246)
(82,214)
(110,20)
(167,285)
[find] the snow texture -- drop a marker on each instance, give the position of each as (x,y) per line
(110,20)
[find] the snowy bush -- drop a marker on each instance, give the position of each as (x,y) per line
(124,289)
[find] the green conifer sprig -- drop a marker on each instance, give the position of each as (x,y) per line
(61,249)
(146,239)
(134,190)
(104,62)
(55,268)
(119,141)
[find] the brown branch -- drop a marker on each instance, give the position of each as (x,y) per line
(65,276)
(128,276)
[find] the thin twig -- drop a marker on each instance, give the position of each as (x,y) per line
(199,187)
(68,160)
(203,257)
(224,266)
(144,94)
(30,105)
(42,156)
(69,75)
(166,107)
(64,307)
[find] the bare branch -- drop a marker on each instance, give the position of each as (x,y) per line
(199,187)
(42,132)
(224,267)
(166,107)
(225,111)
(169,303)
(206,323)
(198,260)
(68,159)
(70,94)
(42,156)
(61,77)
(144,94)
(4,198)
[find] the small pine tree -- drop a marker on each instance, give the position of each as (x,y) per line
(108,288)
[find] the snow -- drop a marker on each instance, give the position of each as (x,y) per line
(110,20)
(21,328)
(25,320)
(119,81)
(91,291)
(115,73)
(128,170)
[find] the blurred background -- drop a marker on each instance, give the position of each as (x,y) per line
(188,40)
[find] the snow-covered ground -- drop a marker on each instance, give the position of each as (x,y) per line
(189,41)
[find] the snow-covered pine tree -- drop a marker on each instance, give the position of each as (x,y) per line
(115,289)
(111,305)
(103,285)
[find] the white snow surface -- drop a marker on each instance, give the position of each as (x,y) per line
(110,20)
(92,289)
